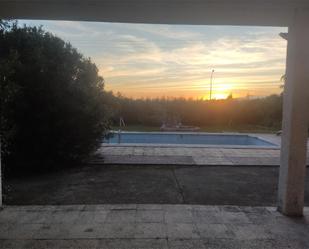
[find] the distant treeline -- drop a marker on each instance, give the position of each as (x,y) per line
(266,112)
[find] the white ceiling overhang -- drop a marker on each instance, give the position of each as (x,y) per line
(211,12)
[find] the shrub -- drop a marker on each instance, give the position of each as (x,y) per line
(52,100)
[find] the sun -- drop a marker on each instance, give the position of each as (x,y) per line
(220,95)
(216,96)
(222,91)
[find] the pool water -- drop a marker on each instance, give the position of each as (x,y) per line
(184,138)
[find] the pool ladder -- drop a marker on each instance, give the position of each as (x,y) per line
(121,124)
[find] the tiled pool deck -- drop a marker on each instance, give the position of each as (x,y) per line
(186,155)
(151,226)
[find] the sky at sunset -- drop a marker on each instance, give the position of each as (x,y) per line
(147,60)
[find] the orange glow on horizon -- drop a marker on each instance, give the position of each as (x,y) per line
(217,96)
(196,90)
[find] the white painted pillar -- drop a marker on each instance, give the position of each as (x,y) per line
(0,177)
(295,118)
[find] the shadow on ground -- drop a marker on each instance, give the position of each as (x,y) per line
(102,184)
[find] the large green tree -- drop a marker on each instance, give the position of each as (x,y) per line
(52,100)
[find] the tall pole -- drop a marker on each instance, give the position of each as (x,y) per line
(211,77)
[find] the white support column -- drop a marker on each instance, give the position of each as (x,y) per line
(295,118)
(0,177)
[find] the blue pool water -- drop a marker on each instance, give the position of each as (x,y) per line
(184,138)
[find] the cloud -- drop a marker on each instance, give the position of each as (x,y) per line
(246,64)
(166,31)
(143,59)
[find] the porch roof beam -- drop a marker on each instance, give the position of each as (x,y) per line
(210,12)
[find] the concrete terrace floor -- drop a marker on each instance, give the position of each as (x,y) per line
(148,184)
(151,226)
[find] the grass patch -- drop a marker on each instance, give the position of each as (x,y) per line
(216,128)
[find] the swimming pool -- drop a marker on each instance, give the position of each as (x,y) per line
(172,138)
